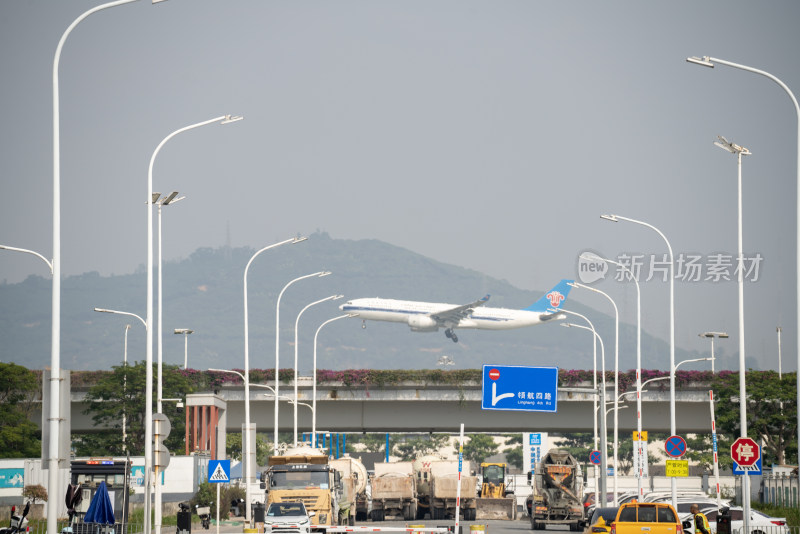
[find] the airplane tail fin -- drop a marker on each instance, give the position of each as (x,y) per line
(553,298)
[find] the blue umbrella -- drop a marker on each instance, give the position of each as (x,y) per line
(100,509)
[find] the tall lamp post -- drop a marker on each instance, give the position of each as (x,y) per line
(594,382)
(55,268)
(672,422)
(148,445)
(247,464)
(278,345)
(639,454)
(711,336)
(603,429)
(616,380)
(185,332)
(708,61)
(296,329)
(125,362)
(314,379)
(160,202)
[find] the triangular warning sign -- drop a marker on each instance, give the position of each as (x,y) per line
(219,474)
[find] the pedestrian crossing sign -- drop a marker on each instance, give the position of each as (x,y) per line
(219,471)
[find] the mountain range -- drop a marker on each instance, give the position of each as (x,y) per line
(204,292)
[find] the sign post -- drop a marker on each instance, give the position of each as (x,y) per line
(219,471)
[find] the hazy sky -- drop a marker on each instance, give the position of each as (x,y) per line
(489,135)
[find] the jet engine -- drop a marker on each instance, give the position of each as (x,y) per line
(422,323)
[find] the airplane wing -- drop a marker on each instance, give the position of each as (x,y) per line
(452,316)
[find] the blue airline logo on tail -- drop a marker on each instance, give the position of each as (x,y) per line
(553,298)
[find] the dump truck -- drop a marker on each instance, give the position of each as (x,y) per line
(304,474)
(352,502)
(394,491)
(496,500)
(444,491)
(557,491)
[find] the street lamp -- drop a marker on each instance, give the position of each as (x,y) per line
(616,375)
(708,61)
(125,391)
(163,201)
(639,453)
(314,377)
(278,344)
(55,270)
(148,445)
(296,328)
(603,429)
(246,377)
(185,332)
(594,377)
(672,422)
(711,336)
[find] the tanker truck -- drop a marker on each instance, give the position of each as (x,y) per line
(353,498)
(394,491)
(557,491)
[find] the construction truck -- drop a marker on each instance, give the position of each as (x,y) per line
(496,500)
(439,498)
(304,474)
(394,491)
(557,491)
(352,502)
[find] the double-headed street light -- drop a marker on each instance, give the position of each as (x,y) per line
(296,329)
(185,332)
(711,336)
(247,464)
(148,445)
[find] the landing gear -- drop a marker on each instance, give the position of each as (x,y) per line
(364,323)
(452,335)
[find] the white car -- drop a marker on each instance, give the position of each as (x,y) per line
(288,518)
(760,523)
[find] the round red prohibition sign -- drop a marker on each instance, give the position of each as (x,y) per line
(494,374)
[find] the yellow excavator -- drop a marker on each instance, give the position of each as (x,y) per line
(496,499)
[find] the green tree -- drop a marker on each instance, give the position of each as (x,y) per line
(579,445)
(514,456)
(372,442)
(264,448)
(412,448)
(771,411)
(34,492)
(122,392)
(19,436)
(478,448)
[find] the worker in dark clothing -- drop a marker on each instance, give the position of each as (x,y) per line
(700,521)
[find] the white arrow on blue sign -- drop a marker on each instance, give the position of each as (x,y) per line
(532,389)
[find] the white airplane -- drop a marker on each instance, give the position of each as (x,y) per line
(431,316)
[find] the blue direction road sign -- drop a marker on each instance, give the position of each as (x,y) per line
(219,471)
(675,446)
(532,389)
(594,457)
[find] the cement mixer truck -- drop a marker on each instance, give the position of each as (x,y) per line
(353,497)
(557,491)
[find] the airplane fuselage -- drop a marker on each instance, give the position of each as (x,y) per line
(418,315)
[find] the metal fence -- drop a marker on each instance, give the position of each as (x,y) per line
(40,527)
(780,490)
(772,529)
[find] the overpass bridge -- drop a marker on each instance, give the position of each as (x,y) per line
(441,408)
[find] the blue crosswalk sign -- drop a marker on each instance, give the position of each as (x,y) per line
(219,471)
